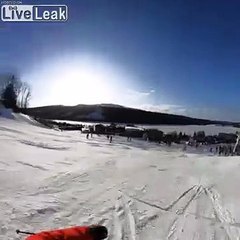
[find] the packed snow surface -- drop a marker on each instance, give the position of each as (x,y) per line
(139,190)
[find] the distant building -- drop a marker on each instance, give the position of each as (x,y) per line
(171,137)
(153,135)
(133,132)
(99,129)
(227,138)
(200,136)
(210,139)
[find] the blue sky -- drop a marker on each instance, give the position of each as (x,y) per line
(177,56)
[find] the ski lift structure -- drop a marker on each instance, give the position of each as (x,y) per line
(237,144)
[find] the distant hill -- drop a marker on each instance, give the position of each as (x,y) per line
(114,113)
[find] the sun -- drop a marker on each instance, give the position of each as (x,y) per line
(82,81)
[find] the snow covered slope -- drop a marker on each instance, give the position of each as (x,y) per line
(139,190)
(6,113)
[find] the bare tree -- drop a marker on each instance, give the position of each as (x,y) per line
(23,95)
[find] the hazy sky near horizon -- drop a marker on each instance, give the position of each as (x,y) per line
(177,56)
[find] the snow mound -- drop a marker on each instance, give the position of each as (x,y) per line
(6,113)
(25,119)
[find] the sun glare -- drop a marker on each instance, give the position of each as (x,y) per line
(87,80)
(81,84)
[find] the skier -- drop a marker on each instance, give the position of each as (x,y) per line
(91,131)
(94,232)
(217,148)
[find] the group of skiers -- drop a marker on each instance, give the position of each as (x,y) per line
(109,137)
(225,150)
(87,135)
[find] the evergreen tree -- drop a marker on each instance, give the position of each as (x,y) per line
(9,96)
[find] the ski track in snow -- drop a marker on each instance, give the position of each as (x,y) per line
(139,190)
(124,222)
(42,145)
